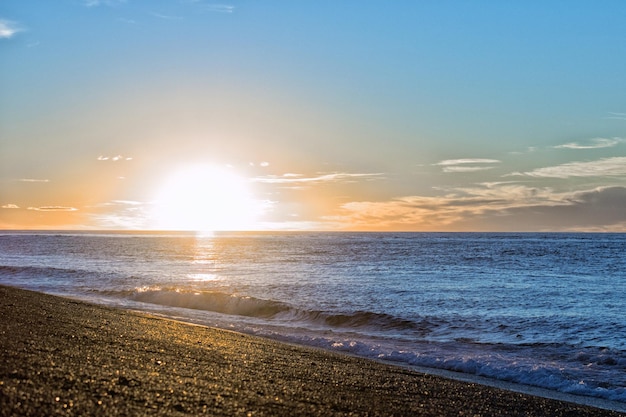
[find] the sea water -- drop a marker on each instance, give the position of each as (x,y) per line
(545,310)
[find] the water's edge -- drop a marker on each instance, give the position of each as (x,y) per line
(457,376)
(522,389)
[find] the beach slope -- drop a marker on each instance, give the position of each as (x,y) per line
(66,357)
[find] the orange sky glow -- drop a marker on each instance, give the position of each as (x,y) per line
(426,116)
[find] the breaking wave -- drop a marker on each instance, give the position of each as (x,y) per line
(238,305)
(218,302)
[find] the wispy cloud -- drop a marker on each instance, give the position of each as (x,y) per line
(291,178)
(594,143)
(455,206)
(96,3)
(124,203)
(467,164)
(33,180)
(10,206)
(8,29)
(463,168)
(262,164)
(607,167)
(530,149)
(121,214)
(448,162)
(423,212)
(166,17)
(219,8)
(115,158)
(210,6)
(52,208)
(616,116)
(491,206)
(127,21)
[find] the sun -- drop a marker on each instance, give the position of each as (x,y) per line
(204,198)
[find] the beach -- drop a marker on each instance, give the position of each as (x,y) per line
(67,357)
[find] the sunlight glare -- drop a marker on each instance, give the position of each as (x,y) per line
(204,198)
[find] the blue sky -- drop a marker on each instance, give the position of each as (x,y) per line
(359,115)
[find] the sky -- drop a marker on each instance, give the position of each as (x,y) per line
(313,115)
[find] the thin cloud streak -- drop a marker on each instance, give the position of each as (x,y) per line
(10,206)
(211,7)
(616,116)
(33,180)
(166,17)
(463,161)
(219,8)
(52,208)
(467,165)
(595,143)
(122,214)
(291,178)
(127,21)
(96,3)
(449,169)
(607,167)
(115,158)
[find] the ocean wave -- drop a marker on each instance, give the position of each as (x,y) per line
(239,305)
(360,320)
(40,278)
(218,302)
(34,271)
(587,371)
(525,367)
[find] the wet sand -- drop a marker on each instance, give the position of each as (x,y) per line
(66,357)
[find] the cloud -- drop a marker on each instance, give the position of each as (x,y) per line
(121,214)
(211,7)
(492,206)
(126,203)
(8,29)
(127,21)
(530,149)
(462,168)
(616,116)
(166,17)
(219,8)
(607,167)
(262,164)
(467,164)
(115,158)
(33,180)
(291,178)
(10,206)
(96,3)
(52,208)
(448,162)
(594,143)
(599,209)
(433,212)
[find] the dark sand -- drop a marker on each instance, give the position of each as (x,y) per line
(65,357)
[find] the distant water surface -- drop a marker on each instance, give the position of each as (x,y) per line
(545,310)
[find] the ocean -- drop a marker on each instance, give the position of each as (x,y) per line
(539,309)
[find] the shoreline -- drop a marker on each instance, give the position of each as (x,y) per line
(63,356)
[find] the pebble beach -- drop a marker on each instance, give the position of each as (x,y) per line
(66,357)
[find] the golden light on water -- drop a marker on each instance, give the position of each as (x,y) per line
(204,198)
